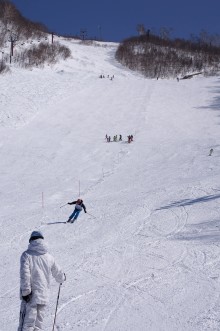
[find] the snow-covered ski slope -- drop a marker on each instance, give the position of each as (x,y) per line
(150,258)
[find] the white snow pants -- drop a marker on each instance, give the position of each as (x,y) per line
(31,317)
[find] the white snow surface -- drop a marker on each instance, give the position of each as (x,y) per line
(150,258)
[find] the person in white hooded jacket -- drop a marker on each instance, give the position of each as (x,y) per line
(36,268)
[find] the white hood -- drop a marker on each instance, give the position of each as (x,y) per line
(37,247)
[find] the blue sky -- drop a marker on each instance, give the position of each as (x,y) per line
(116,20)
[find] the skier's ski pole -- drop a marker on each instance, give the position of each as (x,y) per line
(22,315)
(56,307)
(90,214)
(64,205)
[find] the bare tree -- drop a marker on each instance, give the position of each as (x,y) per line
(141,29)
(165,32)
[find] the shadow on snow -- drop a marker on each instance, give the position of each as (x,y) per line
(208,232)
(215,102)
(189,202)
(51,223)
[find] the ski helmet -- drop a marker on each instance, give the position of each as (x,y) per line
(36,235)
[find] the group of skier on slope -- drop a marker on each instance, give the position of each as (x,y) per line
(115,138)
(108,76)
(36,268)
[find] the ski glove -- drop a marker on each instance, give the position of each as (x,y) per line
(26,298)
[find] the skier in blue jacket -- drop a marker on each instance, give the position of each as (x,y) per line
(78,208)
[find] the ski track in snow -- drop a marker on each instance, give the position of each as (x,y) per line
(149,259)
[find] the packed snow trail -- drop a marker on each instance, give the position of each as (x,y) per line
(149,260)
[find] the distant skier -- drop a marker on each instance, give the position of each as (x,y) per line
(36,268)
(78,208)
(120,137)
(211,151)
(129,139)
